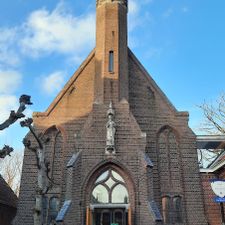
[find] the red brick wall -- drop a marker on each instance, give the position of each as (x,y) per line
(79,113)
(212,209)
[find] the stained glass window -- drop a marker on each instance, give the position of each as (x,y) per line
(100,194)
(110,188)
(120,194)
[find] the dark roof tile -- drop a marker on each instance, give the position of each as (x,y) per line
(7,196)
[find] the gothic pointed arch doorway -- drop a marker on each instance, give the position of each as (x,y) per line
(109,199)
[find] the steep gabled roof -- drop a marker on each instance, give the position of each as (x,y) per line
(77,74)
(67,86)
(152,82)
(7,196)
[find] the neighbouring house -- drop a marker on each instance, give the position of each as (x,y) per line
(214,170)
(8,203)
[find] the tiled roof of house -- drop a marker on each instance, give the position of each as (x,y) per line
(219,160)
(7,196)
(213,142)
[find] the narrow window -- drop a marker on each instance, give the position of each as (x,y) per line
(53,209)
(45,207)
(177,205)
(111,61)
(166,209)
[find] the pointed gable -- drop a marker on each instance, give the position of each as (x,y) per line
(139,73)
(76,98)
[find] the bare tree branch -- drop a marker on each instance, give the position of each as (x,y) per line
(215,116)
(5,151)
(214,124)
(11,169)
(14,116)
(45,182)
(28,123)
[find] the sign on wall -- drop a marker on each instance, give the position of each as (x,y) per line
(218,187)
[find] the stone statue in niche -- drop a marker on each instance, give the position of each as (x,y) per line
(110,131)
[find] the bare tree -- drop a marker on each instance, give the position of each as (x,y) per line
(6,150)
(10,169)
(44,183)
(215,116)
(214,124)
(13,117)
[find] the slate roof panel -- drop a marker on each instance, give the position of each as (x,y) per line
(7,196)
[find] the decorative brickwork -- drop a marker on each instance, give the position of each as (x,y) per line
(147,126)
(100,2)
(169,162)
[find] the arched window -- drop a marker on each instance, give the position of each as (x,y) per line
(110,188)
(172,209)
(169,161)
(53,209)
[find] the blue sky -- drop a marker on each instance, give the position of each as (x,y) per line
(180,42)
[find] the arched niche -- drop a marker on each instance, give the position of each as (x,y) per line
(54,151)
(169,159)
(109,187)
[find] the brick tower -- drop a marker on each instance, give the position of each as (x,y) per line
(119,151)
(111,51)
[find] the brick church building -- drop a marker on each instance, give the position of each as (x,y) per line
(119,151)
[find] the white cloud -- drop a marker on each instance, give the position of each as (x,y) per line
(137,17)
(133,16)
(185,9)
(154,52)
(7,103)
(133,7)
(58,31)
(168,13)
(45,32)
(53,83)
(10,80)
(8,54)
